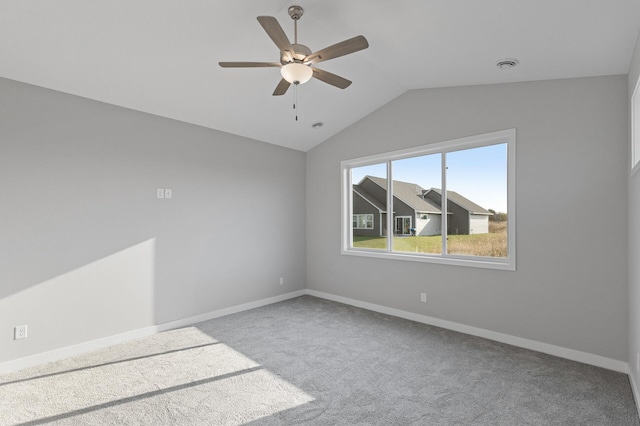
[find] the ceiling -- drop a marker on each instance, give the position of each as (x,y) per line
(161,56)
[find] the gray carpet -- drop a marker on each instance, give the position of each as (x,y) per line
(311,361)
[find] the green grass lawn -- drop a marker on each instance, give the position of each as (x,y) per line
(431,244)
(493,244)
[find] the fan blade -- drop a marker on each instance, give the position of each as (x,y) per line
(248,64)
(275,31)
(339,49)
(332,79)
(282,87)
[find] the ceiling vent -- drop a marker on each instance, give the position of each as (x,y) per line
(507,63)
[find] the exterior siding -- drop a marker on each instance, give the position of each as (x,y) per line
(402,209)
(479,224)
(362,206)
(458,218)
(429,226)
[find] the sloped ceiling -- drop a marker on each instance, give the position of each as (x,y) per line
(161,56)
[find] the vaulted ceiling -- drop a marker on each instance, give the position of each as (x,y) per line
(161,56)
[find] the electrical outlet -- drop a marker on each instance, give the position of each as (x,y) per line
(160,192)
(20,332)
(423,297)
(281,280)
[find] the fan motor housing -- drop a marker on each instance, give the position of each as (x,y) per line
(300,52)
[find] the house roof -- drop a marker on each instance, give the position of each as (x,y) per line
(463,202)
(410,194)
(413,195)
(382,206)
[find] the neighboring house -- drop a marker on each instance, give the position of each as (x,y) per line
(414,207)
(465,216)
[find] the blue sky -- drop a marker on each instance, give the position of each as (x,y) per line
(480,174)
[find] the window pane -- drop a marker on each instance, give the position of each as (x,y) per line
(417,214)
(477,201)
(369,206)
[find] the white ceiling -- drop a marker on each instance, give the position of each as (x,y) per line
(161,56)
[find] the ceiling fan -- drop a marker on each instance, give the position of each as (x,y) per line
(297,62)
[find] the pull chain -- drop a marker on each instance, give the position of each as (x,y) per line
(295,100)
(295,41)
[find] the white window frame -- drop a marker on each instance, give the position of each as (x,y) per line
(635,129)
(358,220)
(507,263)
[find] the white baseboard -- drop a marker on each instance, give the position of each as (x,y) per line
(584,357)
(228,311)
(104,342)
(634,390)
(571,354)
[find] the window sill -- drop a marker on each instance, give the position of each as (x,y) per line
(474,262)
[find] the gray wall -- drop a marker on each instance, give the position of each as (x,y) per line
(86,249)
(570,288)
(634,241)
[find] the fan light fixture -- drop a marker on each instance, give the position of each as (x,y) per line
(296,73)
(297,62)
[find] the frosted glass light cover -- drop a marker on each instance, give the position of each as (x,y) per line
(296,72)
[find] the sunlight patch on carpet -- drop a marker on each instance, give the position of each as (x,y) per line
(181,375)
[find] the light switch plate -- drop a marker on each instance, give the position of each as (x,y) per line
(168,193)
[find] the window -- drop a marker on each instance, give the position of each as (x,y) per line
(635,128)
(452,202)
(362,221)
